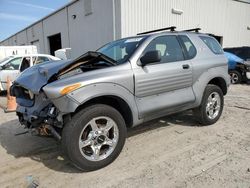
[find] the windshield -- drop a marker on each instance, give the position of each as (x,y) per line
(121,50)
(5,59)
(13,64)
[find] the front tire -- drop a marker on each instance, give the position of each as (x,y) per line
(211,106)
(94,137)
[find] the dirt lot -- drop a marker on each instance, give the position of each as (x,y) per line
(169,152)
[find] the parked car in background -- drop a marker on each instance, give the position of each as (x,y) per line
(242,52)
(89,102)
(14,65)
(238,69)
(3,61)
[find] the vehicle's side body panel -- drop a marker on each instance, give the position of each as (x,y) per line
(161,86)
(206,66)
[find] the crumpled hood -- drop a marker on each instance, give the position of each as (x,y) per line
(35,77)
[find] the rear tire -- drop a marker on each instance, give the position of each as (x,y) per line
(211,106)
(235,76)
(94,137)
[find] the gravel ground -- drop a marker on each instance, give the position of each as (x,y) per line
(169,152)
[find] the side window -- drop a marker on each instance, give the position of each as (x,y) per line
(188,45)
(25,64)
(212,44)
(41,59)
(13,64)
(169,48)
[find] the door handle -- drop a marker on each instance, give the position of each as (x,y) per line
(185,66)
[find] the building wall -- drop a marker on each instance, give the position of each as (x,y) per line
(89,30)
(88,24)
(225,18)
(35,36)
(21,38)
(57,23)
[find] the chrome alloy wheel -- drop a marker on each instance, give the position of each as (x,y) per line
(98,138)
(213,105)
(234,77)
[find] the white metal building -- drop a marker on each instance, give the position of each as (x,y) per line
(88,24)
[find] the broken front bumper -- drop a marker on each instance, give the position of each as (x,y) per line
(46,111)
(33,116)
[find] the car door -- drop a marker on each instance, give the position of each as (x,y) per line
(164,85)
(10,69)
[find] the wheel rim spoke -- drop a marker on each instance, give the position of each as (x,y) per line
(108,126)
(96,152)
(93,125)
(97,141)
(109,142)
(213,105)
(83,144)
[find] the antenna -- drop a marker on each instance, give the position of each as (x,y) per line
(172,28)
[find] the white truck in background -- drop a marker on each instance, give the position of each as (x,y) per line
(6,51)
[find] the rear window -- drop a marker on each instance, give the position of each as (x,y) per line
(188,45)
(212,44)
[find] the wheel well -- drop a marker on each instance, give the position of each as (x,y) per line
(221,83)
(114,101)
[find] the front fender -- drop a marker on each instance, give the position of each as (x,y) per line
(70,102)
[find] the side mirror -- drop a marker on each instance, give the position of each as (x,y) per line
(151,57)
(1,68)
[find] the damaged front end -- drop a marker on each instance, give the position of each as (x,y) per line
(37,113)
(42,113)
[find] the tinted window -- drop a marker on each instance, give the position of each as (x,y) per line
(13,64)
(169,48)
(41,59)
(188,45)
(212,44)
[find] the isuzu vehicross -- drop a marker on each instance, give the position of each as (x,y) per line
(89,102)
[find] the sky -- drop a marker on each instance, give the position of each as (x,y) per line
(18,14)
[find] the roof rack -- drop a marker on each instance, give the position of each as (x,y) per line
(194,29)
(172,28)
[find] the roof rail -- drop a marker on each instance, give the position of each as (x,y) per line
(172,28)
(194,29)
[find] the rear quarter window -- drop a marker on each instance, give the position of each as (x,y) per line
(189,46)
(212,44)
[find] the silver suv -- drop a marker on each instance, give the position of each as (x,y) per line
(88,103)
